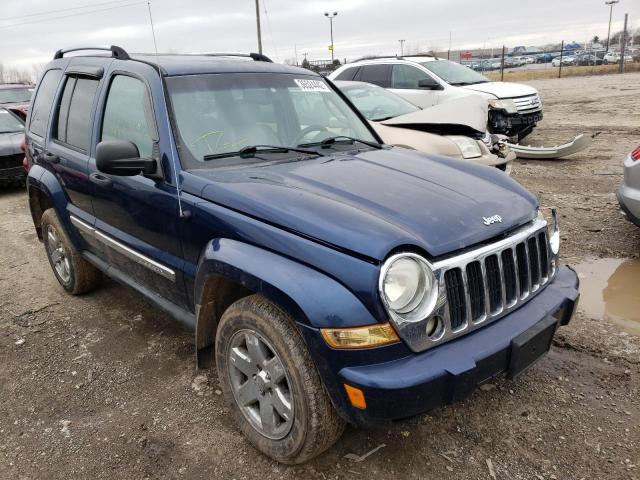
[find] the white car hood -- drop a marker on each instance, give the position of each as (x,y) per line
(470,110)
(502,89)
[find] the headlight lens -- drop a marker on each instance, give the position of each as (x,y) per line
(554,237)
(504,104)
(468,146)
(407,286)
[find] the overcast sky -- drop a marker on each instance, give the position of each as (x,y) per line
(31,30)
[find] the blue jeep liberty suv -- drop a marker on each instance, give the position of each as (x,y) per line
(329,278)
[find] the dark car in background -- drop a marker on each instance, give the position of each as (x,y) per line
(11,154)
(588,59)
(16,97)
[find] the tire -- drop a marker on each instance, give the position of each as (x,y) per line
(315,425)
(74,273)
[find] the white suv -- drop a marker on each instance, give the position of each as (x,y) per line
(515,109)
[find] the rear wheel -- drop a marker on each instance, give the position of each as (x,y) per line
(73,272)
(269,378)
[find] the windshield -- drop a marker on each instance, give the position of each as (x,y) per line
(223,113)
(376,103)
(454,73)
(9,123)
(15,95)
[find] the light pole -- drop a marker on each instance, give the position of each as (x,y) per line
(611,3)
(331,16)
(401,47)
(258,25)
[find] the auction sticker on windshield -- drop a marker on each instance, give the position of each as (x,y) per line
(311,85)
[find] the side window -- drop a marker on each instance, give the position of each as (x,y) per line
(376,74)
(128,113)
(42,104)
(406,76)
(347,74)
(73,123)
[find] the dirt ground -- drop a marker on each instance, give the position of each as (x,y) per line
(104,386)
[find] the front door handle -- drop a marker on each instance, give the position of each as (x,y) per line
(49,157)
(100,180)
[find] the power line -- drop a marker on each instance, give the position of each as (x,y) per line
(60,10)
(72,15)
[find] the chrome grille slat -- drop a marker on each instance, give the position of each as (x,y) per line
(528,104)
(495,280)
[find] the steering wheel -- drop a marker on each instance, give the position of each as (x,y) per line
(305,131)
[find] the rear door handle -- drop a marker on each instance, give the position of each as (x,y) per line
(100,180)
(49,157)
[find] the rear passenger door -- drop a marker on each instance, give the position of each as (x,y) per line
(67,152)
(378,74)
(137,216)
(405,81)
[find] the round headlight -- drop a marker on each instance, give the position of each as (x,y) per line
(402,284)
(407,285)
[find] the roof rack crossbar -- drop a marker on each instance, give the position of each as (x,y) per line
(258,57)
(397,57)
(116,52)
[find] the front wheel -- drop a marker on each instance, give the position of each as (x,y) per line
(271,383)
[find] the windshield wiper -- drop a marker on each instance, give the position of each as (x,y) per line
(342,139)
(252,150)
(382,119)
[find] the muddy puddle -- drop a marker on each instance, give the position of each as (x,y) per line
(610,288)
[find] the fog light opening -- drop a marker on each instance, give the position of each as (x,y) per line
(435,328)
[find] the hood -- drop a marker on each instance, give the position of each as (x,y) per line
(10,143)
(469,111)
(373,202)
(502,89)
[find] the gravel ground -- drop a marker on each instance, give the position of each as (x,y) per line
(104,386)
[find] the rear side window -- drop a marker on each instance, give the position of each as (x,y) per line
(73,122)
(347,74)
(406,76)
(376,74)
(127,114)
(41,108)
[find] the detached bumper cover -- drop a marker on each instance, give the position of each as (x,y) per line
(417,383)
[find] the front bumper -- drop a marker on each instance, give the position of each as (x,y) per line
(503,123)
(416,383)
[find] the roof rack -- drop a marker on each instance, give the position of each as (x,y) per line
(258,57)
(397,57)
(116,52)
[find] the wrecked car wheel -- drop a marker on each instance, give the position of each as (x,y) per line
(269,379)
(73,272)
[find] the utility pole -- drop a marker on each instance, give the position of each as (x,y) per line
(401,47)
(258,25)
(611,3)
(331,17)
(624,43)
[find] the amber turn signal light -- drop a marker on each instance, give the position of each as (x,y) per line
(356,397)
(360,337)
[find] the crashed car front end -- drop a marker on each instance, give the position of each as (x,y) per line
(515,116)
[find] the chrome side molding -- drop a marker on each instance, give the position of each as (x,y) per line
(124,250)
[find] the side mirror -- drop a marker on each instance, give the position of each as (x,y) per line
(429,84)
(121,158)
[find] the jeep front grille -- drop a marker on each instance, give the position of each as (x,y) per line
(480,288)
